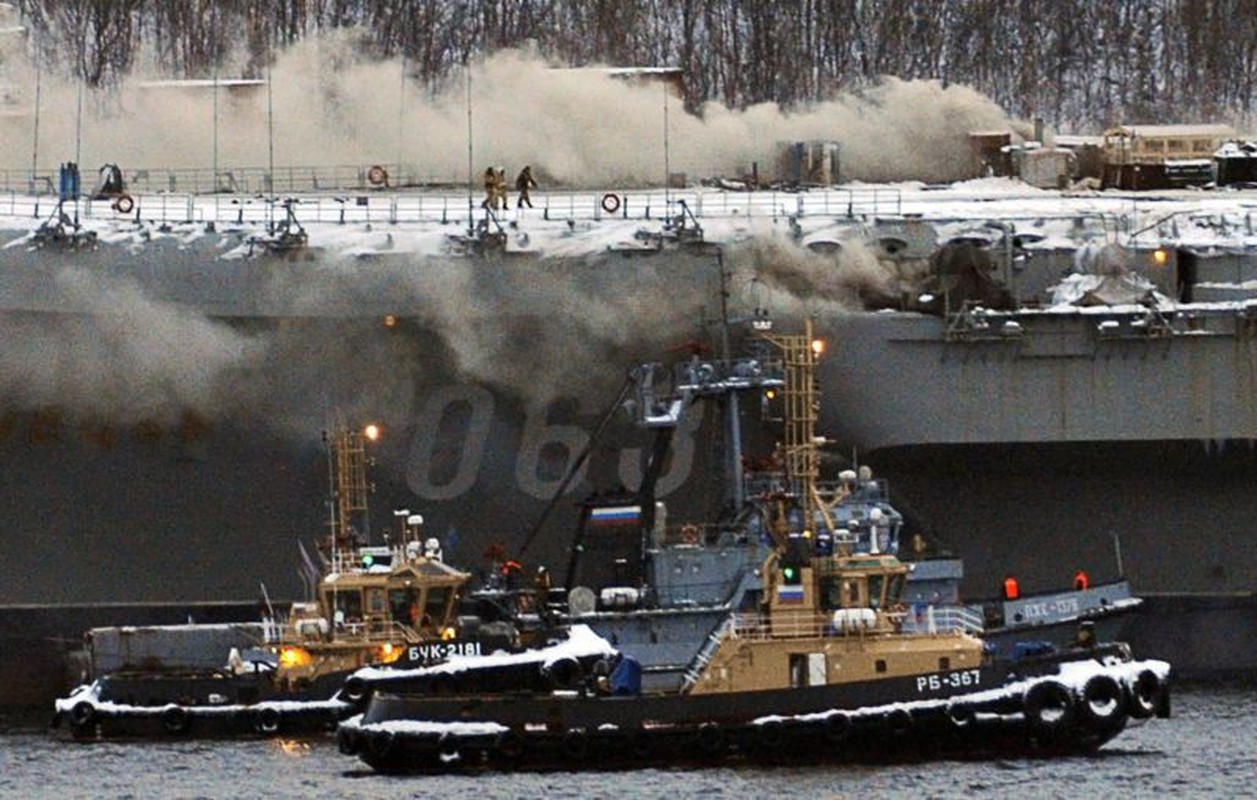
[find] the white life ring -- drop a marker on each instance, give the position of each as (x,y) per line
(377,175)
(610,202)
(123,204)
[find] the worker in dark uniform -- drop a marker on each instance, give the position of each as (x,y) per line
(490,189)
(543,590)
(523,183)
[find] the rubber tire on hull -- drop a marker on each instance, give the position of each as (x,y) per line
(898,721)
(1103,704)
(176,720)
(1144,695)
(837,728)
(576,746)
(960,715)
(509,745)
(710,739)
(266,721)
(355,690)
(83,714)
(1049,708)
(347,742)
(382,745)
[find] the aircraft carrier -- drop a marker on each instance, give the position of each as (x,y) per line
(166,373)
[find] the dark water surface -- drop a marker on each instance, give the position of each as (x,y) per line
(1206,751)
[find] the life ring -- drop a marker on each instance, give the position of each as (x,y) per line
(267,721)
(1048,706)
(610,202)
(83,714)
(837,728)
(175,719)
(1145,690)
(689,534)
(123,204)
(1103,702)
(377,176)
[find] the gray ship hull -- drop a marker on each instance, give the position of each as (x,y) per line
(1063,448)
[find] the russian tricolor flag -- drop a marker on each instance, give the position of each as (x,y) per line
(616,515)
(789,593)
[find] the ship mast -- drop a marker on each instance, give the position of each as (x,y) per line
(801,400)
(347,462)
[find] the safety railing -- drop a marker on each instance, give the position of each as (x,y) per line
(448,207)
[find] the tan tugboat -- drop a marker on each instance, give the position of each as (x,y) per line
(373,603)
(823,669)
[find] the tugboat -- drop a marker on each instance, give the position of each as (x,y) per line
(374,603)
(821,668)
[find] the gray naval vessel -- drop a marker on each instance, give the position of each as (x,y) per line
(163,361)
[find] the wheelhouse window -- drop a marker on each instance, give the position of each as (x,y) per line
(434,607)
(347,607)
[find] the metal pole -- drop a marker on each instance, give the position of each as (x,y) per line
(470,169)
(35,137)
(667,168)
(270,145)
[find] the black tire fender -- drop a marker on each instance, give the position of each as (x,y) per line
(771,735)
(960,715)
(1102,699)
(1144,694)
(565,673)
(898,721)
(267,721)
(1049,706)
(382,744)
(710,738)
(83,714)
(346,742)
(576,745)
(175,719)
(355,689)
(837,728)
(510,744)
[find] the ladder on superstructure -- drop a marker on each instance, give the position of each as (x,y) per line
(347,456)
(801,404)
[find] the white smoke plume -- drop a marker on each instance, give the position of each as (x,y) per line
(539,330)
(333,106)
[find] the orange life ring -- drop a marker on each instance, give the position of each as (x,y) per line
(123,204)
(689,534)
(610,202)
(377,175)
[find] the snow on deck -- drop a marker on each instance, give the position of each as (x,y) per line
(575,224)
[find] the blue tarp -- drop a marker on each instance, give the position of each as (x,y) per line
(626,678)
